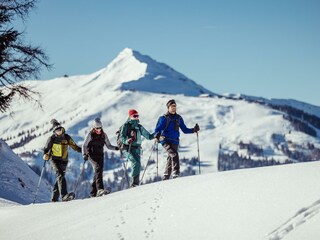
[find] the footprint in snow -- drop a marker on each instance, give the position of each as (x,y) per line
(301,217)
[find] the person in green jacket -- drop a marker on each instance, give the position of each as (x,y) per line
(130,135)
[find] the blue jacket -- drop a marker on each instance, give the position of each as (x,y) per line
(171,134)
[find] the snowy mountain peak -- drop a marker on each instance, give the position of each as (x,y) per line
(125,55)
(131,70)
(128,52)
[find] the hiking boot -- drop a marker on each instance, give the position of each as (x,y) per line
(135,181)
(175,176)
(165,177)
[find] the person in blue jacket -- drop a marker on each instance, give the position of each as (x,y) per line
(167,133)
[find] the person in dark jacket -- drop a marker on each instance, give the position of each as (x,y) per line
(93,149)
(130,135)
(56,148)
(167,133)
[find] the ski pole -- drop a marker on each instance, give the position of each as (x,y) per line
(157,149)
(153,146)
(78,181)
(198,152)
(36,194)
(125,167)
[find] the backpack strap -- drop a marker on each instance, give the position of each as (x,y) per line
(128,128)
(168,120)
(139,126)
(176,120)
(133,131)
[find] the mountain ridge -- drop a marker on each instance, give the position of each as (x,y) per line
(250,129)
(131,70)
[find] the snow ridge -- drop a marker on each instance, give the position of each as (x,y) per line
(242,204)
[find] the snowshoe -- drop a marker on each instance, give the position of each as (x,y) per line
(68,197)
(102,192)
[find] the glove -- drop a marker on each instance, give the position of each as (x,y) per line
(130,140)
(86,157)
(46,157)
(157,137)
(117,148)
(196,128)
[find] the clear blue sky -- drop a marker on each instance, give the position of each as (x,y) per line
(268,48)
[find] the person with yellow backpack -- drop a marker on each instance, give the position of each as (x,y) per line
(56,148)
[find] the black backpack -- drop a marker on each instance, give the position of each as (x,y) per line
(119,142)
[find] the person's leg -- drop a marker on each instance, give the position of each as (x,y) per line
(175,161)
(55,193)
(99,172)
(173,164)
(136,166)
(60,169)
(168,168)
(97,182)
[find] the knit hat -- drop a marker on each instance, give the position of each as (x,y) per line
(97,123)
(170,102)
(132,112)
(55,124)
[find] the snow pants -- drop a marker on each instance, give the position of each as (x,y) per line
(97,183)
(173,164)
(134,157)
(60,186)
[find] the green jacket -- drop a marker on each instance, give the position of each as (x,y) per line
(132,129)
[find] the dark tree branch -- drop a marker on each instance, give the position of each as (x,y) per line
(18,61)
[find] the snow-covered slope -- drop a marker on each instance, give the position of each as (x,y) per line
(270,203)
(76,101)
(17,181)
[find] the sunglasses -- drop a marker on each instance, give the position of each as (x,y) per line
(98,128)
(135,116)
(58,131)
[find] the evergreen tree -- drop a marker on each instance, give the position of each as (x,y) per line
(18,61)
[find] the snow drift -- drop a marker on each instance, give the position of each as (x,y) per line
(269,203)
(17,181)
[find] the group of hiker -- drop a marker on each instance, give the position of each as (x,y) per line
(129,142)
